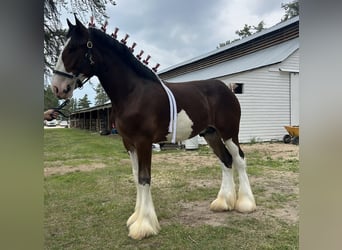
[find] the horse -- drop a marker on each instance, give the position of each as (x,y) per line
(141,113)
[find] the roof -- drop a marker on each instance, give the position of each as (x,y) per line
(277,34)
(107,104)
(261,58)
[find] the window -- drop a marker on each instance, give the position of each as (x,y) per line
(237,88)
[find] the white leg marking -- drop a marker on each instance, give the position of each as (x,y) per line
(135,169)
(226,196)
(245,202)
(146,222)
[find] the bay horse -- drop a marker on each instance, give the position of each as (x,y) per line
(141,113)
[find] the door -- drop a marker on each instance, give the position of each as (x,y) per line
(294,86)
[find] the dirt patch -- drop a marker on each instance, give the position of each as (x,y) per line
(277,196)
(198,213)
(279,187)
(273,150)
(183,158)
(48,171)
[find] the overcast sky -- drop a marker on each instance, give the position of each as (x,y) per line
(178,30)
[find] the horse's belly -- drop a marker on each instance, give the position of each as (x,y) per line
(184,127)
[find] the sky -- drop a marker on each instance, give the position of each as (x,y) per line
(178,30)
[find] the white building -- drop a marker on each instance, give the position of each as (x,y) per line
(265,66)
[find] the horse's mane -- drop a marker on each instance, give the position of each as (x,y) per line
(124,53)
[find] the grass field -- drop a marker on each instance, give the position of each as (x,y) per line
(89,194)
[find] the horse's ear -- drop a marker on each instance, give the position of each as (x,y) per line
(78,22)
(69,24)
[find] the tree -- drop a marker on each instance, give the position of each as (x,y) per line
(50,100)
(101,96)
(245,31)
(259,27)
(54,35)
(72,105)
(291,10)
(83,102)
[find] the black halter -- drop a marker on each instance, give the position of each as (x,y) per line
(79,83)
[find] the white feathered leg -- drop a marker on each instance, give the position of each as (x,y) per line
(226,196)
(146,222)
(245,202)
(143,222)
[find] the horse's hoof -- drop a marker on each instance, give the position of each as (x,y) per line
(245,205)
(222,204)
(141,229)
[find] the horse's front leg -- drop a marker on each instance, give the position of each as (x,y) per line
(143,222)
(135,169)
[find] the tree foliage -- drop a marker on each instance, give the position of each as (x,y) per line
(50,100)
(83,102)
(73,105)
(245,31)
(291,10)
(101,96)
(259,27)
(54,34)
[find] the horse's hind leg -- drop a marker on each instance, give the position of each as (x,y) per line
(245,202)
(226,196)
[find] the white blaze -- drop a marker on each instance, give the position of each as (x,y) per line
(61,82)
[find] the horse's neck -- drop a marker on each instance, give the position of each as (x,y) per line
(119,84)
(119,79)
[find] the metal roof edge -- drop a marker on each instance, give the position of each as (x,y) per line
(234,44)
(272,55)
(105,105)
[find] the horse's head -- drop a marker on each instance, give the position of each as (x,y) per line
(75,62)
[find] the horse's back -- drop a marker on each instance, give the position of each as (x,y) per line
(211,93)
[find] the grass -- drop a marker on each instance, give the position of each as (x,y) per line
(89,209)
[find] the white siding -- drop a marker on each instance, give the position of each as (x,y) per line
(291,63)
(265,103)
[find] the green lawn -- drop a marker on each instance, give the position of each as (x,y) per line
(86,207)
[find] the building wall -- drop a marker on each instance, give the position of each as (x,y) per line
(266,99)
(265,104)
(291,63)
(93,120)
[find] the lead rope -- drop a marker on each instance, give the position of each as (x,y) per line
(173,111)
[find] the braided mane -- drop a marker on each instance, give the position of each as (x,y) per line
(123,52)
